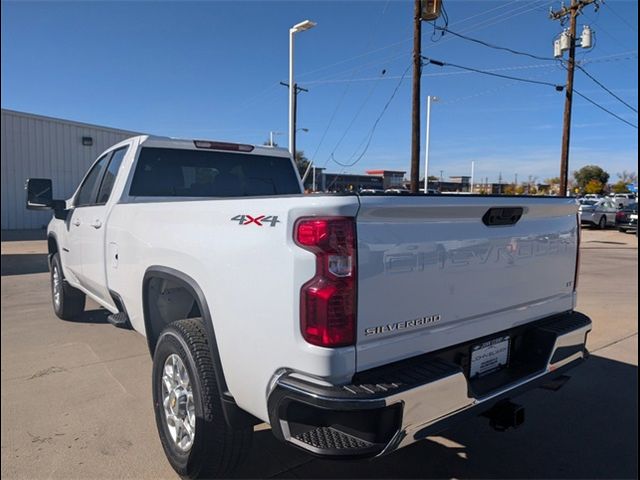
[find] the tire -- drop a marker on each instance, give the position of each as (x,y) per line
(68,302)
(212,448)
(602,224)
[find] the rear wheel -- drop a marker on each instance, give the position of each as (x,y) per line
(602,224)
(196,439)
(68,302)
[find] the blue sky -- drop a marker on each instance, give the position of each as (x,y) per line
(211,70)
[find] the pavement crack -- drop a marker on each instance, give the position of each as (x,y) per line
(51,370)
(614,342)
(47,371)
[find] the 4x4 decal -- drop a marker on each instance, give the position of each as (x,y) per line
(259,220)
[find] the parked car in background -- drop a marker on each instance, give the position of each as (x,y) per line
(592,196)
(623,199)
(397,191)
(598,213)
(627,218)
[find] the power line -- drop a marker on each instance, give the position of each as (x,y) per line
(604,109)
(558,88)
(616,57)
(375,124)
(606,89)
(496,47)
(620,17)
(346,89)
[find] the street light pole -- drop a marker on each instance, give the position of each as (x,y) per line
(426,147)
(300,27)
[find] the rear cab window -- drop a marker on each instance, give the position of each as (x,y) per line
(167,172)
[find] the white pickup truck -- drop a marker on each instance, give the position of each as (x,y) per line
(354,325)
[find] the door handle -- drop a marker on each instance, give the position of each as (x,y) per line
(96,224)
(76,222)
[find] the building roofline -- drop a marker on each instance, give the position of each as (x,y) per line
(69,122)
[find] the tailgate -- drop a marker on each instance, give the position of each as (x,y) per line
(432,274)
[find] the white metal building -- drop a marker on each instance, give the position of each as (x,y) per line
(45,147)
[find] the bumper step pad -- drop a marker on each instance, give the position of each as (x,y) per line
(120,320)
(330,439)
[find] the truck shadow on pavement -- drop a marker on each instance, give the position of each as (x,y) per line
(23,264)
(588,429)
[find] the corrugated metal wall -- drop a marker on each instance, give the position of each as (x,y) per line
(36,146)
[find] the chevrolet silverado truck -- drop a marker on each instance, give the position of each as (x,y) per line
(353,325)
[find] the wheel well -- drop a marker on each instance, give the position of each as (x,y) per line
(52,245)
(169,295)
(166,300)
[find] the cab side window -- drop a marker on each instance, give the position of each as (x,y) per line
(110,175)
(88,190)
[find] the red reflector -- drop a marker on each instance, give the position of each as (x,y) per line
(327,301)
(234,147)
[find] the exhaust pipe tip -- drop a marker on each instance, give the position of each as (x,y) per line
(505,415)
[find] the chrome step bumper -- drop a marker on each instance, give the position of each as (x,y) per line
(393,406)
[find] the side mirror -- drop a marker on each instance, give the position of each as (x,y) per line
(39,194)
(40,197)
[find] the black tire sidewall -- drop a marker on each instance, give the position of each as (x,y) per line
(171,342)
(603,223)
(55,265)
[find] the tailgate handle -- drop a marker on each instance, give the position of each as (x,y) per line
(501,216)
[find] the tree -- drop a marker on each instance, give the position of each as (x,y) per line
(627,177)
(509,189)
(302,162)
(594,186)
(554,185)
(590,172)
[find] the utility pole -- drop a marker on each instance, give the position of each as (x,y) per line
(572,12)
(415,100)
(294,116)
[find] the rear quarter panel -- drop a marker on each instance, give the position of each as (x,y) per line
(250,275)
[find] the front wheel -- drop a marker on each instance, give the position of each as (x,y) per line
(602,224)
(195,436)
(68,302)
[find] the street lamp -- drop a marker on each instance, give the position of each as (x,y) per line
(299,27)
(273,134)
(426,148)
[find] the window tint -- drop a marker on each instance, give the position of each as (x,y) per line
(87,193)
(163,172)
(110,175)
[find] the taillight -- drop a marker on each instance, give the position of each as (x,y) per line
(328,300)
(577,274)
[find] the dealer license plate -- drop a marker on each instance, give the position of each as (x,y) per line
(634,216)
(489,356)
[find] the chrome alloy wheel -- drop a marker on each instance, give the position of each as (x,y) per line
(56,286)
(177,400)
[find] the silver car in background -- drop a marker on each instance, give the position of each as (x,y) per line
(598,213)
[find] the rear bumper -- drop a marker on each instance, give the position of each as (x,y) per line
(393,406)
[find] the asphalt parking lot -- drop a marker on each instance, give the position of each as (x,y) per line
(76,396)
